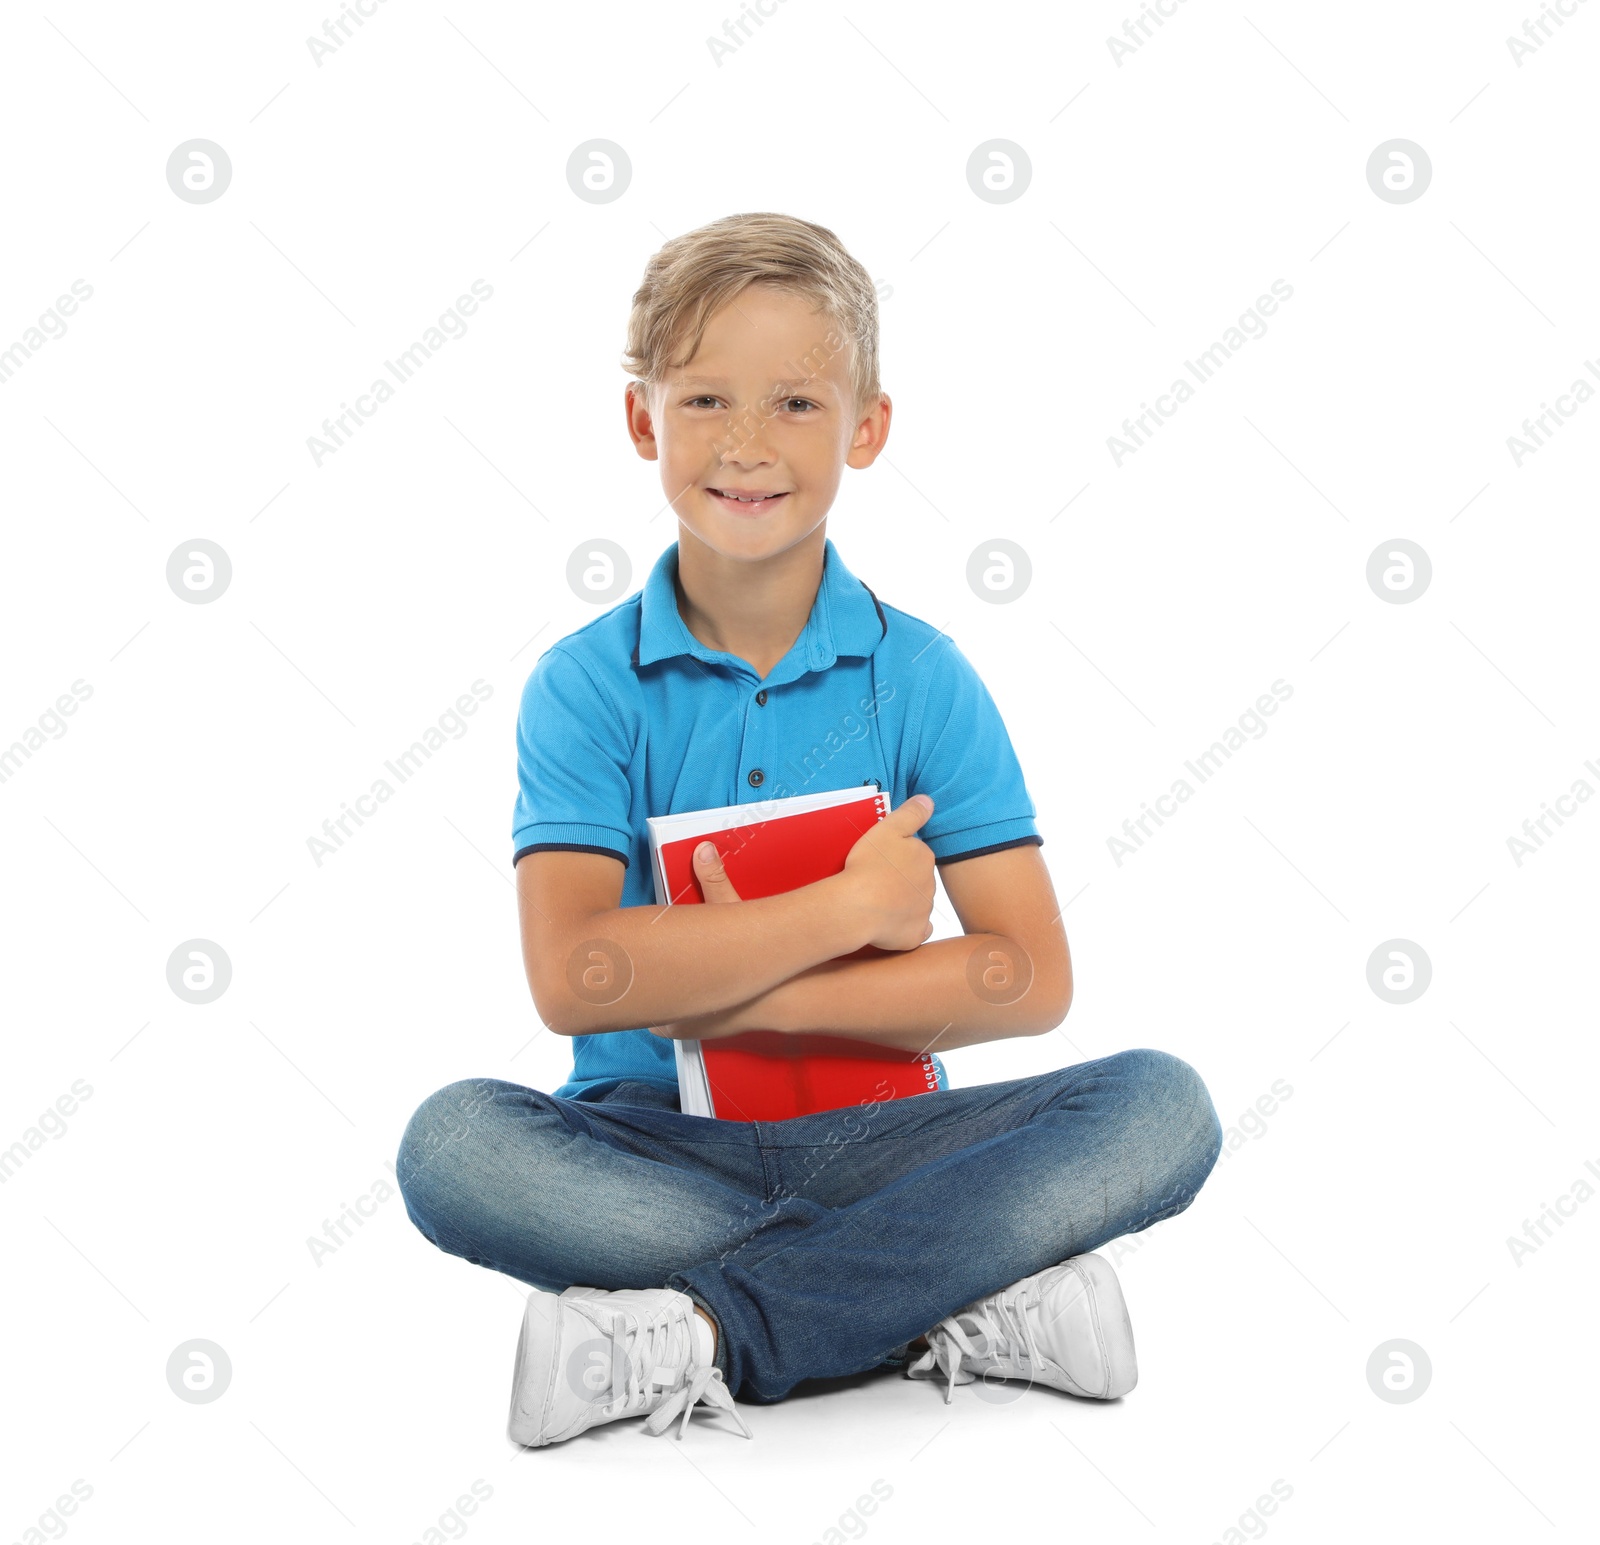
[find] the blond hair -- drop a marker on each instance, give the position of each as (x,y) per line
(695,274)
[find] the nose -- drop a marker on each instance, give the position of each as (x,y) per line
(746,441)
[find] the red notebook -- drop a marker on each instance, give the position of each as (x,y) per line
(767,848)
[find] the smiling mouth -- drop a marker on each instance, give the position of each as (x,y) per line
(747,502)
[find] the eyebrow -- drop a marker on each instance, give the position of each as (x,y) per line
(810,383)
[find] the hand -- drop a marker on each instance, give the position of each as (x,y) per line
(717,888)
(890,870)
(708,1027)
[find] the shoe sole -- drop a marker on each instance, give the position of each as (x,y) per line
(534,1370)
(1114,1329)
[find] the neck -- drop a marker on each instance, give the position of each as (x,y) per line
(754,609)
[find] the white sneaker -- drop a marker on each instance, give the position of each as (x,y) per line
(587,1356)
(1066,1326)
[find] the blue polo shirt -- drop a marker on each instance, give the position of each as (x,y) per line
(632,716)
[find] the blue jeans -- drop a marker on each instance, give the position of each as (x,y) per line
(820,1245)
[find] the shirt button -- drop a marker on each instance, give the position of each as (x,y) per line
(757,777)
(761,698)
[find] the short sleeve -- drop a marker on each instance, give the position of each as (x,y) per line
(573,757)
(964,759)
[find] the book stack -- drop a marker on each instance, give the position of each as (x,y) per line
(769,847)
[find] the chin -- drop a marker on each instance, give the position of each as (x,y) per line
(746,541)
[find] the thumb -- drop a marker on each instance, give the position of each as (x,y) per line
(908,817)
(714,882)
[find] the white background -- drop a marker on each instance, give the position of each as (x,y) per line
(1167,192)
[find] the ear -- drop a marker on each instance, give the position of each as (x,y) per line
(872,430)
(641,423)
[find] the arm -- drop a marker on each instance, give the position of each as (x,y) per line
(594,966)
(1009,975)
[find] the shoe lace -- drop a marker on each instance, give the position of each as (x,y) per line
(997,1330)
(648,1354)
(705,1384)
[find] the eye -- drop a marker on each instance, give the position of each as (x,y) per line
(694,400)
(806,400)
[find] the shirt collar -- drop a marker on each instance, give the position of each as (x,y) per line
(845,619)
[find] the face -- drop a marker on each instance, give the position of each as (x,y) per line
(764,408)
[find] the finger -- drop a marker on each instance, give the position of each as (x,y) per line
(714,882)
(906,818)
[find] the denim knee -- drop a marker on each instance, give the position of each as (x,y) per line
(436,1133)
(1179,1104)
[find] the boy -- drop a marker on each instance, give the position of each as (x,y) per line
(675,1259)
